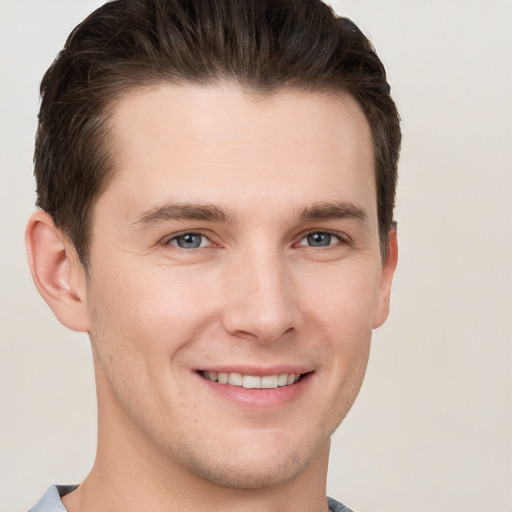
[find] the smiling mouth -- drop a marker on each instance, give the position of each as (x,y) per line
(253,381)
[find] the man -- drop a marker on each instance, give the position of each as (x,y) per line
(216,183)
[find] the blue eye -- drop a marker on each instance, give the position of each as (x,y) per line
(319,239)
(190,241)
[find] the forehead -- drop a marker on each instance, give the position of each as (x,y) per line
(222,144)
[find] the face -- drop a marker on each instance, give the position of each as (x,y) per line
(235,278)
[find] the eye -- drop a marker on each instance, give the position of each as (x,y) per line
(320,239)
(189,241)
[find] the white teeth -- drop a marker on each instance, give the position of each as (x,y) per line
(253,381)
(235,379)
(283,379)
(270,381)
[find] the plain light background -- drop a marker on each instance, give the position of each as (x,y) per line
(432,427)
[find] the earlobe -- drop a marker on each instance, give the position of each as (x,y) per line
(57,272)
(388,270)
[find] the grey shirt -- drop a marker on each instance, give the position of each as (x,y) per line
(51,502)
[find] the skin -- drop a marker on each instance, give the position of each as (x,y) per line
(269,176)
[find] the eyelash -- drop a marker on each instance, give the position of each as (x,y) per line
(341,237)
(174,238)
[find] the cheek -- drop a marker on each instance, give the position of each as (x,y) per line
(152,307)
(141,327)
(342,297)
(144,326)
(340,311)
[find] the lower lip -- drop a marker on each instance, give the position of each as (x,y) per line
(260,398)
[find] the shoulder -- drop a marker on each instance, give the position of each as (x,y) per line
(51,501)
(336,506)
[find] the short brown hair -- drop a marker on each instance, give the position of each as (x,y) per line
(264,45)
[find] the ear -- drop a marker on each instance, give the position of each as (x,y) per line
(388,270)
(57,271)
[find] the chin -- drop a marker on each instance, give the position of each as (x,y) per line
(253,474)
(257,465)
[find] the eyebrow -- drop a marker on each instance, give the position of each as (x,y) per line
(183,211)
(213,213)
(332,211)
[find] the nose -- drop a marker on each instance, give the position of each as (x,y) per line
(261,304)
